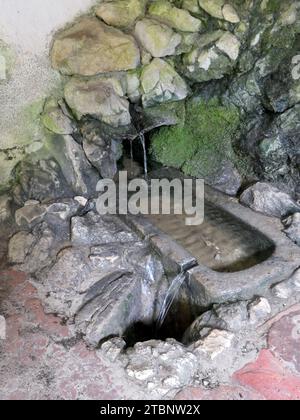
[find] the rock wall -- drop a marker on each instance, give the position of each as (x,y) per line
(134,65)
(26,76)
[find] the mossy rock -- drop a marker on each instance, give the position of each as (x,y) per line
(201,145)
(177,18)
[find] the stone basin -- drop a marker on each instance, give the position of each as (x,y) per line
(235,254)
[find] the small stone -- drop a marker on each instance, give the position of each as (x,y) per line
(31,203)
(230,14)
(160,83)
(81,200)
(2,328)
(113,348)
(215,343)
(259,310)
(176,18)
(30,214)
(19,247)
(121,13)
(282,291)
(265,198)
(157,38)
(292,229)
(5,210)
(99,97)
(213,7)
(55,120)
(172,382)
(230,45)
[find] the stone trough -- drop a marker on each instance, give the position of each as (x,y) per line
(236,254)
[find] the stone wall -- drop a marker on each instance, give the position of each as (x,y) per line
(26,76)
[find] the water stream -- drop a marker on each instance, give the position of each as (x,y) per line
(143,143)
(171,294)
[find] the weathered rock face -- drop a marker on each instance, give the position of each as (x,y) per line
(121,13)
(267,199)
(91,47)
(159,39)
(100,97)
(160,83)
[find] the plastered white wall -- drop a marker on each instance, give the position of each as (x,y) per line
(27,27)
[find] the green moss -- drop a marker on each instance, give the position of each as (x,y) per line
(199,146)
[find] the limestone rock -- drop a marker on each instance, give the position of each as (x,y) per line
(164,366)
(19,247)
(213,7)
(220,9)
(292,229)
(121,13)
(91,47)
(160,83)
(227,179)
(2,328)
(265,198)
(157,38)
(113,348)
(99,97)
(213,57)
(101,148)
(214,344)
(230,14)
(55,120)
(5,211)
(178,19)
(80,176)
(94,229)
(42,180)
(288,288)
(259,310)
(231,317)
(230,45)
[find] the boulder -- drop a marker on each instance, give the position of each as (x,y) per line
(121,13)
(160,83)
(99,97)
(157,38)
(214,56)
(91,47)
(178,19)
(268,199)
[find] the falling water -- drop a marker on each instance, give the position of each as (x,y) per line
(143,143)
(171,294)
(131,150)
